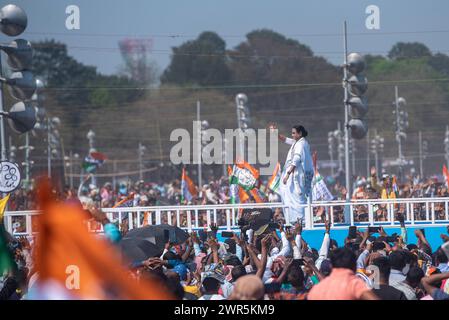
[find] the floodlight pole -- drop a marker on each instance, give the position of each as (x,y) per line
(2,127)
(398,130)
(346,97)
(200,146)
(367,155)
(27,157)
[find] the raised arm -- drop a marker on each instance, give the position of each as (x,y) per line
(422,241)
(188,250)
(285,245)
(429,282)
(281,137)
(263,264)
(324,250)
(253,257)
(285,270)
(82,184)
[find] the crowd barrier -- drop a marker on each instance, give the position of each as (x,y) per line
(372,212)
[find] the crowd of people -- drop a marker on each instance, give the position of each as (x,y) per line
(216,191)
(270,261)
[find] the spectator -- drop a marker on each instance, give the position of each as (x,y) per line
(342,284)
(398,267)
(211,285)
(441,261)
(432,283)
(383,290)
(248,287)
(411,282)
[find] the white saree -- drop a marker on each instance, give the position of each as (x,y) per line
(299,185)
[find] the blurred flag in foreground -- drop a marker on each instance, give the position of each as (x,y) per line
(7,262)
(74,264)
(188,189)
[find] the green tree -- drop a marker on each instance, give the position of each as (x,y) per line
(73,83)
(269,58)
(407,50)
(440,62)
(199,62)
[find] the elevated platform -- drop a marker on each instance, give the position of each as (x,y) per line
(431,214)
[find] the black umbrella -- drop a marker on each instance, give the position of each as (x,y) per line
(135,249)
(160,234)
(256,217)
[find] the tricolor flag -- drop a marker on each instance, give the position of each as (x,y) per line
(275,180)
(244,175)
(320,192)
(238,195)
(93,161)
(446,175)
(188,189)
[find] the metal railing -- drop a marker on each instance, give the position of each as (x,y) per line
(416,211)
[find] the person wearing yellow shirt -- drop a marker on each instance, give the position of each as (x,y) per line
(385,190)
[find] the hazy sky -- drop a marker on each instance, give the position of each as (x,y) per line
(168,23)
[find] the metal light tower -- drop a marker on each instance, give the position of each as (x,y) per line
(401,123)
(204,139)
(140,152)
(91,137)
(28,162)
(69,163)
(199,145)
(243,119)
(335,139)
(224,154)
(377,148)
(352,149)
(423,153)
(355,103)
(331,142)
(53,143)
(367,155)
(339,135)
(12,151)
(446,146)
(21,83)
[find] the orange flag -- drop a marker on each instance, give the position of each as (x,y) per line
(188,189)
(73,263)
(243,196)
(446,174)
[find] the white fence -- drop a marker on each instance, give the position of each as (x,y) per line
(416,211)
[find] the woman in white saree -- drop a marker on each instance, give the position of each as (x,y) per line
(297,174)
